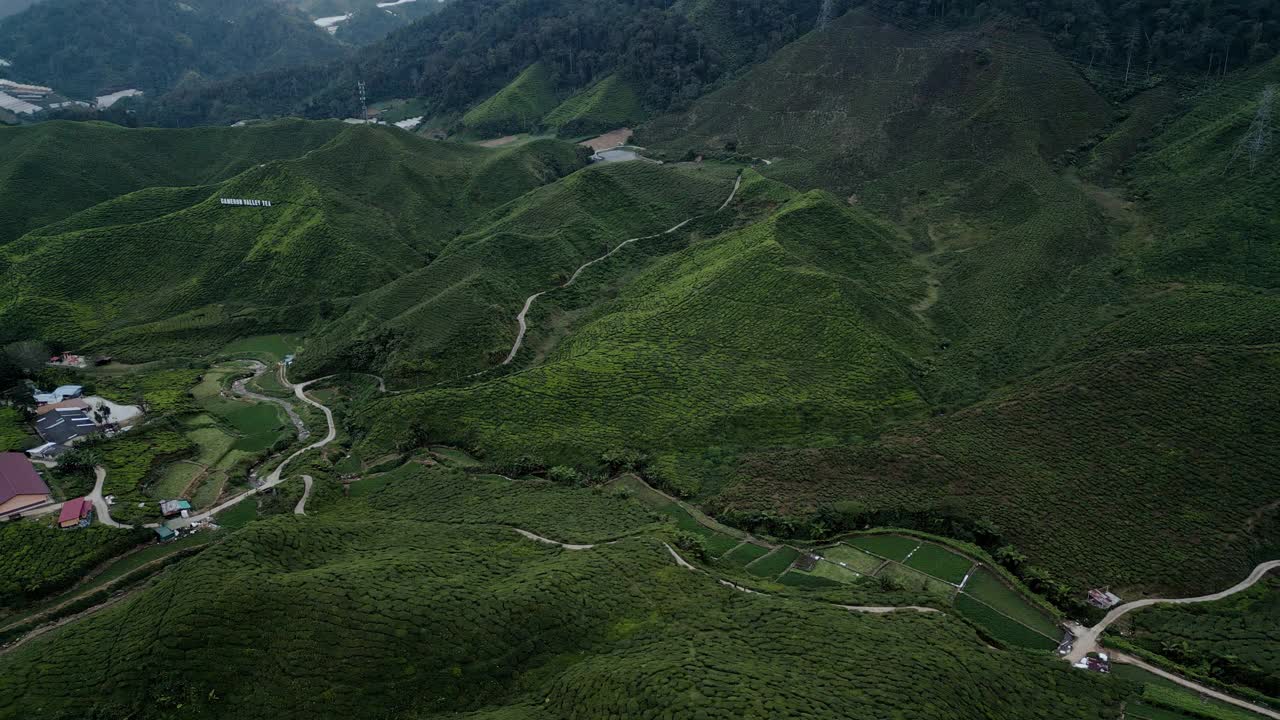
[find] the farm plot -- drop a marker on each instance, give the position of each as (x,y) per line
(796,578)
(831,571)
(892,547)
(175,479)
(988,588)
(910,579)
(852,558)
(745,554)
(940,563)
(1000,627)
(774,563)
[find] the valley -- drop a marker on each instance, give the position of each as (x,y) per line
(646,360)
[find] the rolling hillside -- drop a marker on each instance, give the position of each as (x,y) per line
(441,609)
(173,271)
(707,348)
(607,105)
(456,316)
(517,107)
(1111,347)
(51,170)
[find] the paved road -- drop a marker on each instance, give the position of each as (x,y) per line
(301,507)
(100,506)
(1087,638)
(521,319)
(1130,660)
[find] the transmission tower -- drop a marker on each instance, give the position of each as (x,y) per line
(1257,140)
(827,14)
(364,104)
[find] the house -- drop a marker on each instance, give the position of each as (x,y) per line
(76,403)
(66,392)
(76,513)
(165,534)
(65,425)
(20,485)
(174,508)
(1103,599)
(43,398)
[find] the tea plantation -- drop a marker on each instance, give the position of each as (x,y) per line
(1236,640)
(442,610)
(362,210)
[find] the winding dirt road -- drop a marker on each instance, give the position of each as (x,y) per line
(1087,638)
(545,541)
(276,476)
(1130,660)
(521,319)
(238,387)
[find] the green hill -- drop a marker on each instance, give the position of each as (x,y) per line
(86,48)
(173,271)
(457,315)
(518,107)
(711,346)
(51,170)
(424,603)
(607,105)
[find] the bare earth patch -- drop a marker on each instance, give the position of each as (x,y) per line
(499,142)
(611,139)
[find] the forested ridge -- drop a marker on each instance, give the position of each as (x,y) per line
(88,47)
(674,52)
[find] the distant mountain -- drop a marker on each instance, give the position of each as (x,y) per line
(90,47)
(669,53)
(10,7)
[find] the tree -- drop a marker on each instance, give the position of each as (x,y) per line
(27,355)
(692,544)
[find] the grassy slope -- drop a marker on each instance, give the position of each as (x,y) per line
(713,345)
(607,105)
(952,134)
(167,270)
(51,170)
(517,107)
(457,315)
(1219,214)
(438,617)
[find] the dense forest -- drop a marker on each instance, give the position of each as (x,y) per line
(672,52)
(1188,35)
(88,47)
(471,49)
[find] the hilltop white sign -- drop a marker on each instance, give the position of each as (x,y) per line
(246,203)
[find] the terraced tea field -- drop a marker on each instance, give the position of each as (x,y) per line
(934,570)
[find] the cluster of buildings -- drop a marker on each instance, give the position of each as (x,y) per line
(28,99)
(62,418)
(21,98)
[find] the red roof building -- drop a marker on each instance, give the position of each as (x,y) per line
(75,513)
(20,485)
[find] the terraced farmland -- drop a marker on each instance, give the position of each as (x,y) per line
(939,562)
